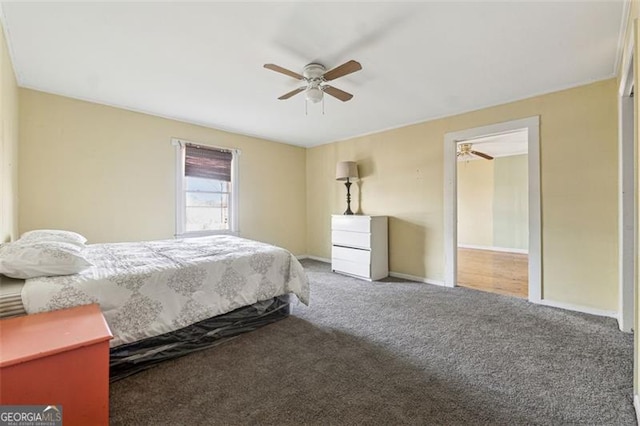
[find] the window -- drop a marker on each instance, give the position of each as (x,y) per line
(206,196)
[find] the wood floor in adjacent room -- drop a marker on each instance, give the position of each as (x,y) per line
(494,271)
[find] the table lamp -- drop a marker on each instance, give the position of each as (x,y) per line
(346,170)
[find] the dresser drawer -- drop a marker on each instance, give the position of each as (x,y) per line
(351,239)
(351,223)
(359,269)
(351,254)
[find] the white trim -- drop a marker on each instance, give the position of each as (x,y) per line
(235,192)
(450,211)
(627,217)
(622,36)
(217,126)
(179,188)
(532,124)
(9,42)
(416,278)
(627,58)
(636,405)
(391,274)
(214,126)
(196,234)
(182,142)
(319,259)
(578,308)
(466,111)
(500,249)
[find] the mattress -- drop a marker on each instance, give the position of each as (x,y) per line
(10,297)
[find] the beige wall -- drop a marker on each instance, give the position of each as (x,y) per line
(492,203)
(402,176)
(109,174)
(475,203)
(510,202)
(8,146)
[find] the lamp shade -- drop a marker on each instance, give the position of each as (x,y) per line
(346,170)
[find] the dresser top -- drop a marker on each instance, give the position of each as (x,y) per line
(35,336)
(356,215)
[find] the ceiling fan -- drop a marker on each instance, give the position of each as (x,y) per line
(465,151)
(315,77)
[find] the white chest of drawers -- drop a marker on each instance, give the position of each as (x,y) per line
(360,246)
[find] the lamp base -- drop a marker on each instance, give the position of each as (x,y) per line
(348,185)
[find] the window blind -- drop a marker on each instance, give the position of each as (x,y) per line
(209,163)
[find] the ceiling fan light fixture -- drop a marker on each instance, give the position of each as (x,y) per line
(466,152)
(315,76)
(314,94)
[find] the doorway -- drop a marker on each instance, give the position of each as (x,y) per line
(530,126)
(493,222)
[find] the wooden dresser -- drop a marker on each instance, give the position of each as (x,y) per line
(360,246)
(58,358)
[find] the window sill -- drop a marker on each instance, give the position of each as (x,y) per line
(195,234)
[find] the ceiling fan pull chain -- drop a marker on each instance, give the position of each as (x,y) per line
(323,105)
(306,112)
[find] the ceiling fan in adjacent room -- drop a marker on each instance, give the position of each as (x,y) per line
(465,151)
(315,77)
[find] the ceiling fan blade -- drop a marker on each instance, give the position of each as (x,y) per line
(276,68)
(337,93)
(291,93)
(482,154)
(342,70)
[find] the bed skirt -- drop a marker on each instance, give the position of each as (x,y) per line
(132,358)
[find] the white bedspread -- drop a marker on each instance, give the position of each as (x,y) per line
(149,288)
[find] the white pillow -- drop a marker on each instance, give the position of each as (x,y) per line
(43,235)
(30,260)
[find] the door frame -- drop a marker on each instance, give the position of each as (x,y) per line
(532,125)
(627,208)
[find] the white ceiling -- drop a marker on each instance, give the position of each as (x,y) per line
(202,62)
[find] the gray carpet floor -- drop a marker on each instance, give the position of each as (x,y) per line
(396,352)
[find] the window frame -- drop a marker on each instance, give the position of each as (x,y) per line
(181,188)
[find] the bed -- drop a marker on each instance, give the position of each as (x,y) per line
(164,299)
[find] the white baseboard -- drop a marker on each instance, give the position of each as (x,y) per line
(625,328)
(416,278)
(578,308)
(391,274)
(502,249)
(544,302)
(636,405)
(308,256)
